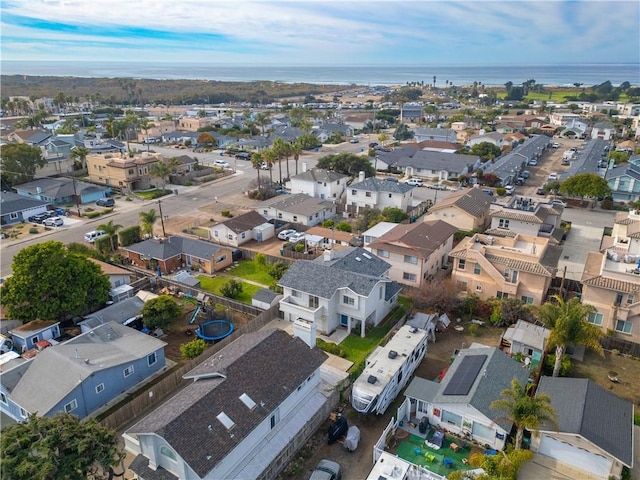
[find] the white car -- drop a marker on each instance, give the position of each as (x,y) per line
(558,202)
(54,222)
(552,176)
(221,164)
(509,189)
(296,237)
(264,166)
(533,162)
(285,234)
(416,182)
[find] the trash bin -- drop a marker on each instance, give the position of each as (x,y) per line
(281,251)
(175,191)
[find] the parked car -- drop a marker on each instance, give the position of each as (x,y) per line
(520,181)
(488,191)
(533,162)
(509,189)
(39,218)
(552,176)
(525,174)
(93,235)
(106,202)
(355,140)
(540,190)
(391,179)
(437,186)
(285,234)
(296,237)
(264,166)
(555,145)
(416,182)
(326,470)
(373,145)
(565,161)
(558,202)
(221,164)
(54,222)
(243,156)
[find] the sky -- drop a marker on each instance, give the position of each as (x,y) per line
(310,32)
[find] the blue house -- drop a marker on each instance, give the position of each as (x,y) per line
(62,190)
(81,375)
(18,209)
(624,181)
(26,336)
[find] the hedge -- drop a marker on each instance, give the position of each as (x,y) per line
(129,236)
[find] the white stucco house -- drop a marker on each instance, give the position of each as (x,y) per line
(319,183)
(377,193)
(297,208)
(242,229)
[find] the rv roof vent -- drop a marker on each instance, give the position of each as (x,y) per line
(393,354)
(372,379)
(413,330)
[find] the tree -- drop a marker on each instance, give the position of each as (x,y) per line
(110,229)
(382,138)
(343,227)
(20,162)
(486,150)
(263,119)
(278,269)
(619,157)
(586,185)
(296,151)
(63,446)
(569,326)
(205,138)
(442,297)
(160,170)
(256,162)
(394,214)
(193,348)
(280,149)
(347,163)
(50,283)
(231,289)
(160,311)
(148,220)
(79,157)
(402,133)
(270,157)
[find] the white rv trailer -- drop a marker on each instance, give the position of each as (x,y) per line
(388,370)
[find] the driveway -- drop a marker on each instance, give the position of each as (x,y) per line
(546,468)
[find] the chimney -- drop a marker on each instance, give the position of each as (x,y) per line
(304,167)
(328,255)
(361,176)
(306,331)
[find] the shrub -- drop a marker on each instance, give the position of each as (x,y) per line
(92,214)
(343,227)
(328,223)
(260,259)
(129,236)
(473,329)
(331,348)
(193,348)
(278,269)
(231,289)
(33,230)
(226,213)
(103,244)
(160,311)
(501,191)
(299,247)
(565,365)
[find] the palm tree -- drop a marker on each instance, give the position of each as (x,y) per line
(110,230)
(161,170)
(270,157)
(148,220)
(524,410)
(569,326)
(145,125)
(278,147)
(79,156)
(263,119)
(296,150)
(256,161)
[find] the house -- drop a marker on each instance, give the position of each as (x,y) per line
(624,181)
(124,172)
(25,337)
(611,279)
(526,338)
(378,230)
(494,138)
(378,193)
(331,237)
(466,209)
(430,164)
(35,138)
(319,183)
(411,113)
(297,208)
(177,136)
(170,254)
(265,298)
(346,288)
(460,403)
(242,229)
(231,423)
(81,375)
(62,190)
(560,119)
(330,128)
(604,130)
(508,167)
(182,164)
(17,208)
(440,134)
(119,279)
(415,251)
(124,312)
(528,216)
(595,428)
(520,266)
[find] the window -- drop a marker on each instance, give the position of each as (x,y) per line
(34,340)
(167,452)
(354,192)
(595,318)
(461,263)
(152,359)
(295,218)
(367,194)
(623,327)
(390,195)
(514,276)
(527,300)
(275,418)
(131,171)
(504,223)
(100,388)
(265,212)
(295,293)
(477,270)
(383,253)
(221,258)
(409,276)
(13,216)
(128,371)
(244,235)
(619,297)
(410,259)
(23,413)
(313,301)
(502,295)
(71,406)
(3,398)
(629,299)
(478,288)
(348,300)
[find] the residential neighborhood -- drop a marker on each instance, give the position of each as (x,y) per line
(210,281)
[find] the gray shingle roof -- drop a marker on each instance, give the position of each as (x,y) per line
(373,184)
(471,200)
(585,408)
(356,260)
(298,203)
(245,222)
(58,187)
(118,312)
(265,295)
(184,420)
(140,466)
(320,175)
(433,160)
(174,246)
(12,202)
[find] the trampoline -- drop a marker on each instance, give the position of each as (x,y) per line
(214,330)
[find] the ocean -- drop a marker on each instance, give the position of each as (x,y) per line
(497,75)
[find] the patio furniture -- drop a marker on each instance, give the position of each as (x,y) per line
(430,457)
(436,441)
(454,447)
(448,462)
(417,451)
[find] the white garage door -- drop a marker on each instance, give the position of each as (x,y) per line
(577,457)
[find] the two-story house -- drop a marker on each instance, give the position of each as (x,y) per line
(297,208)
(624,181)
(319,183)
(80,375)
(441,134)
(520,266)
(466,209)
(527,216)
(128,173)
(604,130)
(244,414)
(611,279)
(415,251)
(347,288)
(378,193)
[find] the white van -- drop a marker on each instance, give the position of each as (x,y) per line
(91,236)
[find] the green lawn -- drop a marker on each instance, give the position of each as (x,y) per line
(214,284)
(250,270)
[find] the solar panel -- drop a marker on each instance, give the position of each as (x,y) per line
(465,375)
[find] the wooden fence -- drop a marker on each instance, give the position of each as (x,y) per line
(143,400)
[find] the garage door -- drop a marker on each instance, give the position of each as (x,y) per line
(577,457)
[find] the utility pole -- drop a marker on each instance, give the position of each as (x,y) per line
(564,274)
(75,195)
(164,234)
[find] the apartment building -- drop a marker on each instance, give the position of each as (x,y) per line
(129,173)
